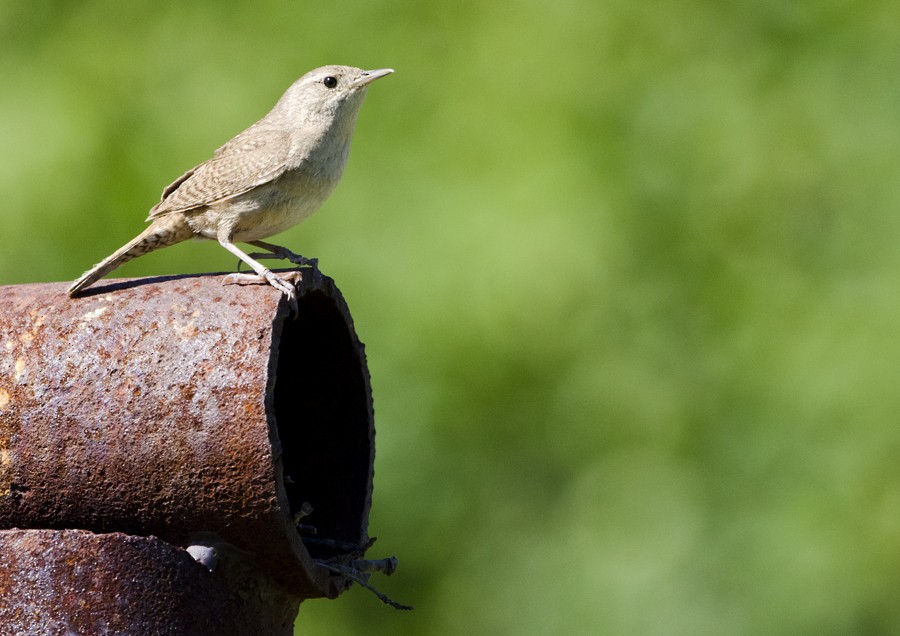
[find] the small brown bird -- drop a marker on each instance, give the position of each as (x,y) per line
(265,180)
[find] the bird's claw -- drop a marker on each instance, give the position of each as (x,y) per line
(302,261)
(286,283)
(296,259)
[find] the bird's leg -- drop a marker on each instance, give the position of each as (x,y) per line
(276,251)
(262,274)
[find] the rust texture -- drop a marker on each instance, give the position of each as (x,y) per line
(77,582)
(177,406)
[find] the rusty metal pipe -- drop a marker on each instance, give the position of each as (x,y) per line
(176,406)
(78,582)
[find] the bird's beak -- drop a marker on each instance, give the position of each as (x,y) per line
(371,76)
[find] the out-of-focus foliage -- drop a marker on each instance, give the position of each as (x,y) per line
(628,273)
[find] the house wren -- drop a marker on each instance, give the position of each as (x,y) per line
(265,180)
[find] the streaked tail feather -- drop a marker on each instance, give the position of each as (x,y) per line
(160,234)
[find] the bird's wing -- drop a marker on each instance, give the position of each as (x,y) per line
(243,163)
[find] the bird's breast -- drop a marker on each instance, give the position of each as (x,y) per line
(274,207)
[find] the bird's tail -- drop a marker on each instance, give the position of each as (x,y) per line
(165,231)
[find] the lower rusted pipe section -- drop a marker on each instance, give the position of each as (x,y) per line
(77,582)
(182,408)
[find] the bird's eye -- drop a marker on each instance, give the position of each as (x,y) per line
(330,81)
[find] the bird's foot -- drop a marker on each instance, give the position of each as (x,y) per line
(286,283)
(283,253)
(296,259)
(299,261)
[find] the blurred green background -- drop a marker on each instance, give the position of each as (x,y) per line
(627,274)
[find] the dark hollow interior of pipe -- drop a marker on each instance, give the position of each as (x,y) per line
(321,414)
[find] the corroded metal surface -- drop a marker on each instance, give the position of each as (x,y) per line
(175,406)
(77,582)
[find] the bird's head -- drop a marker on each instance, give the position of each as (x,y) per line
(329,95)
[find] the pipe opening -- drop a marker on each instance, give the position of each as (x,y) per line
(322,404)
